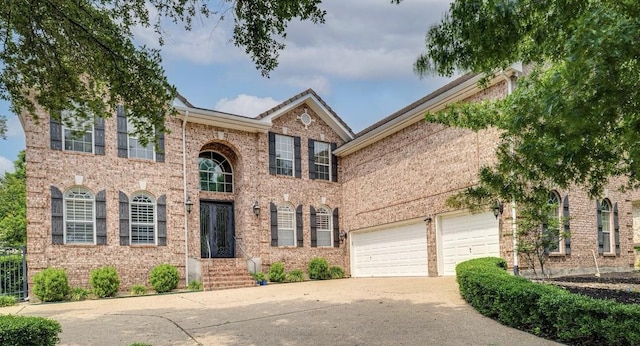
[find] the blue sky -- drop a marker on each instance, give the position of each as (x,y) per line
(360,62)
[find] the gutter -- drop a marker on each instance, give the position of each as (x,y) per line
(184,191)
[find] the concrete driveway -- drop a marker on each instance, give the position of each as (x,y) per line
(388,311)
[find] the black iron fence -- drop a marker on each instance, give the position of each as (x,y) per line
(13,272)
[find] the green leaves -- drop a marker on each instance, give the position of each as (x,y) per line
(13,205)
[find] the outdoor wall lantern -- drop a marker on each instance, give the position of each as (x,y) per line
(189,205)
(498,209)
(428,220)
(343,236)
(256,208)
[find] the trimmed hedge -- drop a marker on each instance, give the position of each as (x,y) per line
(23,330)
(105,282)
(545,310)
(164,278)
(51,285)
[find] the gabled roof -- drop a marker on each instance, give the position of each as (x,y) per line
(318,105)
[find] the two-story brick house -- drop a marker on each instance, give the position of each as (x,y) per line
(227,193)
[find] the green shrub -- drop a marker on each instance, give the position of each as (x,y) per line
(546,310)
(164,278)
(336,272)
(195,285)
(23,330)
(7,301)
(104,282)
(138,290)
(51,285)
(259,276)
(318,269)
(140,344)
(78,294)
(295,275)
(276,272)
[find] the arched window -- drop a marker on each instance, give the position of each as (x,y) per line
(323,227)
(143,220)
(286,225)
(607,217)
(553,227)
(79,216)
(215,172)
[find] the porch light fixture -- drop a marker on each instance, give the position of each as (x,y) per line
(256,208)
(498,208)
(343,236)
(428,220)
(189,205)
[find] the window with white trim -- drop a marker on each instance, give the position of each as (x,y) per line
(136,149)
(79,216)
(286,225)
(284,155)
(324,231)
(143,220)
(555,241)
(77,134)
(215,171)
(607,221)
(322,160)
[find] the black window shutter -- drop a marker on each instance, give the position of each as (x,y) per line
(162,220)
(274,224)
(272,155)
(616,228)
(98,134)
(312,160)
(101,218)
(55,134)
(600,235)
(160,151)
(299,233)
(566,228)
(298,160)
(336,228)
(334,163)
(123,136)
(57,216)
(124,217)
(313,226)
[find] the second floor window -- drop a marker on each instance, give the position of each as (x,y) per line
(284,155)
(136,149)
(322,160)
(77,134)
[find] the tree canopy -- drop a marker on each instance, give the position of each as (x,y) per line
(79,55)
(574,119)
(13,205)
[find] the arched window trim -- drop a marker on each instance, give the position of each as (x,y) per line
(322,212)
(219,164)
(554,197)
(288,211)
(606,210)
(71,195)
(153,240)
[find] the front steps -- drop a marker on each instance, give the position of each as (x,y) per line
(225,273)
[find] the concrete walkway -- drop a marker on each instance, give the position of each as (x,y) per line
(398,311)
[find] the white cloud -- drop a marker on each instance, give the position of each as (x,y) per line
(246,105)
(5,165)
(318,83)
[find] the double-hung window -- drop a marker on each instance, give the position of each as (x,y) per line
(77,133)
(286,226)
(79,214)
(323,227)
(322,160)
(143,220)
(606,225)
(136,149)
(284,155)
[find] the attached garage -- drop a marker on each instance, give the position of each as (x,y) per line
(465,237)
(392,251)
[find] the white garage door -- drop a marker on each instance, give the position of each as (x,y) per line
(398,251)
(468,236)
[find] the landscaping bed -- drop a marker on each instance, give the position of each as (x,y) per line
(622,287)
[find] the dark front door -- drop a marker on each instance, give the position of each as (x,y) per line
(216,230)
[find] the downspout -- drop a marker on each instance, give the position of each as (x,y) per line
(514,225)
(184,200)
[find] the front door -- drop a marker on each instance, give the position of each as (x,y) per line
(216,230)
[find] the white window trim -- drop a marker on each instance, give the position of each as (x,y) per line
(91,131)
(293,223)
(329,225)
(155,219)
(232,173)
(293,154)
(611,230)
(131,135)
(64,216)
(329,165)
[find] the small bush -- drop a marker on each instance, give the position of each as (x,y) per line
(23,330)
(276,272)
(104,282)
(318,269)
(195,285)
(164,278)
(7,301)
(295,275)
(51,285)
(138,290)
(259,276)
(78,293)
(336,272)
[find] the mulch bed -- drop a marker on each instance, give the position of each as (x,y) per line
(621,287)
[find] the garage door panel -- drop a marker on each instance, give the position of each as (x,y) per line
(468,236)
(399,251)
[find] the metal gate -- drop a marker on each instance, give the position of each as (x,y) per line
(13,272)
